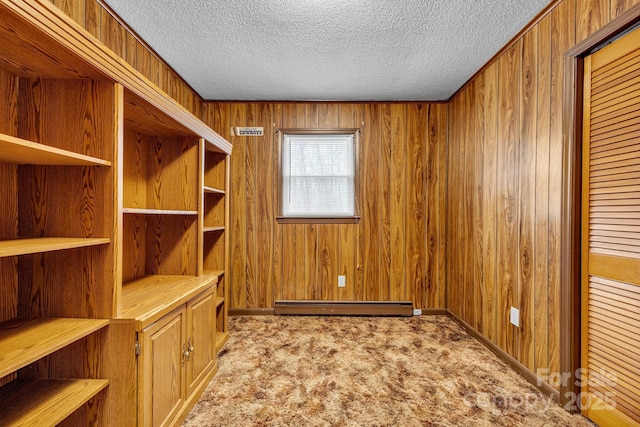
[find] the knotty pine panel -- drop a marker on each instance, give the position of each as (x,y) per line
(387,255)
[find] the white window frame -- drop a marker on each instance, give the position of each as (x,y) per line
(312,218)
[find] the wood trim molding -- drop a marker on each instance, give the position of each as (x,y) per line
(570,238)
(538,382)
(570,292)
(616,27)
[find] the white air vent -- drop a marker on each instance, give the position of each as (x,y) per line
(247,131)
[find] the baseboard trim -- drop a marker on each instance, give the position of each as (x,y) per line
(251,312)
(344,308)
(531,377)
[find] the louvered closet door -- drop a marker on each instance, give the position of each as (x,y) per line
(611,234)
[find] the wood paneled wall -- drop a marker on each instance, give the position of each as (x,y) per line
(505,186)
(95,18)
(395,252)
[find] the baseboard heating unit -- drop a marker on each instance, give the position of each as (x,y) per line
(344,308)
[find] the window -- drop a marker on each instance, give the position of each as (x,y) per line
(318,175)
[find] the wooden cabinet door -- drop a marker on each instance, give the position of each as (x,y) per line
(200,338)
(161,391)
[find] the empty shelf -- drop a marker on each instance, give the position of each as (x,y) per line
(20,151)
(45,402)
(24,341)
(46,244)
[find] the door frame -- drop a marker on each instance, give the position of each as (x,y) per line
(571,214)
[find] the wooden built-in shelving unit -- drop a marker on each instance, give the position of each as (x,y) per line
(113,231)
(215,190)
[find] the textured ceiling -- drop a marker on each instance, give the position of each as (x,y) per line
(353,50)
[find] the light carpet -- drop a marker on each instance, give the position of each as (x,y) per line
(366,371)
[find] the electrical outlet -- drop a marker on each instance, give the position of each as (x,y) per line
(342,281)
(515,317)
(417,312)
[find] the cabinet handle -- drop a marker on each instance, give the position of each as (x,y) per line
(185,353)
(187,349)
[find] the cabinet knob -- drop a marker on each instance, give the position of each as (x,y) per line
(185,353)
(187,349)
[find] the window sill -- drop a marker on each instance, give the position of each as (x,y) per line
(314,220)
